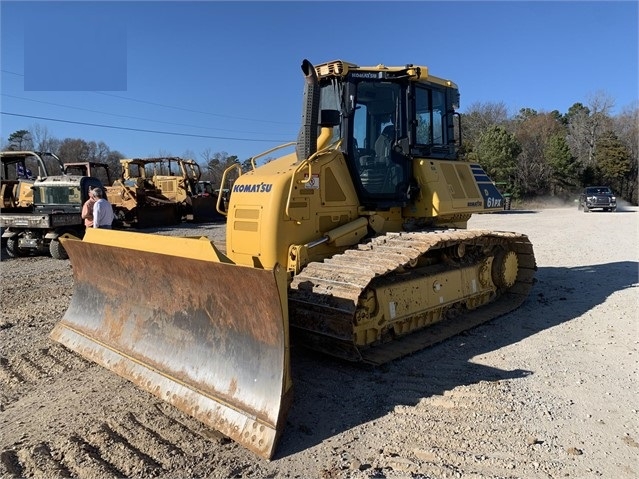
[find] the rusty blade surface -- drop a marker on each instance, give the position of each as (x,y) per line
(210,338)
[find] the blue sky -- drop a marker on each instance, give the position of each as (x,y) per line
(178,78)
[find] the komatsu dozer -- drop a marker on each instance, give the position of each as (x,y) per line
(354,244)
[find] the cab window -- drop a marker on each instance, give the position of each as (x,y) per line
(430,107)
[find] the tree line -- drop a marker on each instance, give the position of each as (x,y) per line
(537,154)
(530,154)
(38,138)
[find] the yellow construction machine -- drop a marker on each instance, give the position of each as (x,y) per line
(355,244)
(160,191)
(137,201)
(179,180)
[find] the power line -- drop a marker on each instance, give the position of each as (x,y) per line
(189,110)
(173,107)
(123,116)
(140,129)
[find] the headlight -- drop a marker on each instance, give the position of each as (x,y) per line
(613,198)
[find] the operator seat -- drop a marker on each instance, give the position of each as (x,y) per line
(386,174)
(384,142)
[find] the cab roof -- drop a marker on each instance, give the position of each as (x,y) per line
(340,68)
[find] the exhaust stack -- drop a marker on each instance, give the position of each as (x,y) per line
(307,138)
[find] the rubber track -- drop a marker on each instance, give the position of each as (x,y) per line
(336,283)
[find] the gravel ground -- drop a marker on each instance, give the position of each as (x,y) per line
(547,391)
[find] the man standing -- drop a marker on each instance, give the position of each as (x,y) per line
(102,210)
(87,210)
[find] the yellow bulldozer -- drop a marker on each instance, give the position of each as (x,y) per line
(160,191)
(179,180)
(354,244)
(137,200)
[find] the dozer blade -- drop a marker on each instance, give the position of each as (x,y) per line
(178,319)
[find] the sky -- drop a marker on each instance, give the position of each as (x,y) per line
(155,78)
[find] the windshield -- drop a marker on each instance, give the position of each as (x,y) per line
(378,106)
(598,191)
(204,188)
(377,126)
(57,195)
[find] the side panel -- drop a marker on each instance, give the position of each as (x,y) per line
(493,200)
(267,215)
(449,188)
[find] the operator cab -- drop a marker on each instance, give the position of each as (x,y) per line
(390,118)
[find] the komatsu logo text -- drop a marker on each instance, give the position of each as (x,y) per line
(255,188)
(371,75)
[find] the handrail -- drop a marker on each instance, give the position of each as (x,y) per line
(304,163)
(219,196)
(253,158)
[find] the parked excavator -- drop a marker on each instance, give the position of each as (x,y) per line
(355,244)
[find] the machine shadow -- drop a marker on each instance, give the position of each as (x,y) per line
(515,212)
(332,396)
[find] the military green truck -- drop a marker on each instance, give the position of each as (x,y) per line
(56,210)
(18,172)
